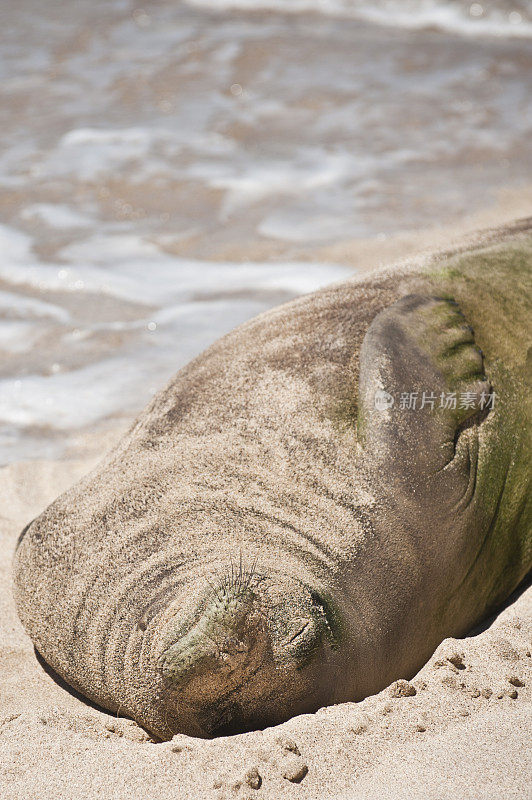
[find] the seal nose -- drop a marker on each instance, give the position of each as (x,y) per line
(239,653)
(220,650)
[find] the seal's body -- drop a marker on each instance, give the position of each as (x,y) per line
(303,513)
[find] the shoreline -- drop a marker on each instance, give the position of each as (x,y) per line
(356,257)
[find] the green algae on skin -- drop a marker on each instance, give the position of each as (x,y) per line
(493,288)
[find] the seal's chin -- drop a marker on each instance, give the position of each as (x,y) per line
(247,653)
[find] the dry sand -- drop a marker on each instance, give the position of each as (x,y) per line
(460,728)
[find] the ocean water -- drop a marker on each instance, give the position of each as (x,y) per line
(168,170)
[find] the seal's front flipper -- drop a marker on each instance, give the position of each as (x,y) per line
(421,382)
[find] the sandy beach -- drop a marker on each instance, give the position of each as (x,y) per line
(168,172)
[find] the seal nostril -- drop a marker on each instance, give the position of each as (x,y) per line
(297,628)
(301,628)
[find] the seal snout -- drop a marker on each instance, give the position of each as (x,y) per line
(221,648)
(243,655)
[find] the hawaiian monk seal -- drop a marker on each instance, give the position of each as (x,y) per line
(273,535)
